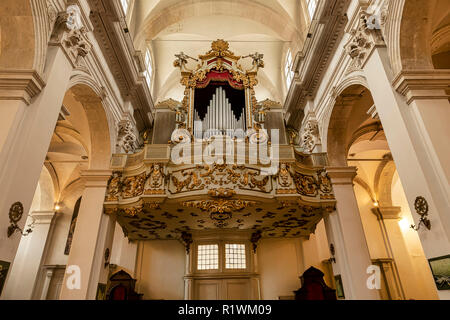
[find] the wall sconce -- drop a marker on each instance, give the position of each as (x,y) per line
(421,206)
(15,215)
(57,207)
(332,252)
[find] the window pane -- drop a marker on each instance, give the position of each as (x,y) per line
(235,256)
(312,5)
(124,5)
(287,69)
(208,257)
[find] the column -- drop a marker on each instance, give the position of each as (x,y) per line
(345,231)
(415,121)
(29,108)
(26,134)
(91,238)
(28,259)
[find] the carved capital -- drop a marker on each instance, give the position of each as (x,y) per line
(341,175)
(71,35)
(422,84)
(363,40)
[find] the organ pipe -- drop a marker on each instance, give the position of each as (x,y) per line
(219,118)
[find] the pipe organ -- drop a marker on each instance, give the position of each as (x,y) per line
(219,118)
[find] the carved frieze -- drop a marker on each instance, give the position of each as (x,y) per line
(134,186)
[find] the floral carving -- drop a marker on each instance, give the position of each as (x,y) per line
(134,186)
(306,185)
(363,39)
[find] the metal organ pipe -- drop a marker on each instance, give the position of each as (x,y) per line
(219,118)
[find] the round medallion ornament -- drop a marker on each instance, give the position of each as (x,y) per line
(421,206)
(16,212)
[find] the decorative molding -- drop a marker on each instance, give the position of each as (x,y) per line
(20,85)
(123,60)
(363,40)
(422,84)
(341,175)
(310,136)
(388,213)
(126,138)
(315,58)
(71,35)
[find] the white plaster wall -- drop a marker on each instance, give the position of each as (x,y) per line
(421,284)
(162,270)
(123,252)
(372,231)
(279,267)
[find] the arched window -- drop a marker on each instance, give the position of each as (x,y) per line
(148,67)
(125,5)
(288,69)
(312,5)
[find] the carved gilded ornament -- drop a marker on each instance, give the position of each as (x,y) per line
(114,187)
(306,185)
(156,177)
(134,186)
(216,175)
(219,205)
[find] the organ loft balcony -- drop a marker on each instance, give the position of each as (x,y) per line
(218,160)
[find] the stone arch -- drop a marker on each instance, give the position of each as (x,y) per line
(410,28)
(349,111)
(91,96)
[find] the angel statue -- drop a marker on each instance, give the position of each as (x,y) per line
(182,60)
(257,60)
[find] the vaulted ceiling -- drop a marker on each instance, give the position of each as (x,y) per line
(170,26)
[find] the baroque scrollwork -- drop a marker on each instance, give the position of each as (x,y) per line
(362,41)
(114,187)
(134,186)
(70,33)
(310,136)
(126,138)
(306,185)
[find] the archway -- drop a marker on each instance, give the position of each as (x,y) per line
(355,137)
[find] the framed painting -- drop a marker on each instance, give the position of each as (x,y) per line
(4,267)
(339,287)
(101,291)
(440,267)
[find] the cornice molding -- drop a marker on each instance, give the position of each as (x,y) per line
(123,60)
(312,62)
(20,84)
(388,213)
(96,178)
(422,84)
(341,175)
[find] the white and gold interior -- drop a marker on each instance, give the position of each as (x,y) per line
(351,98)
